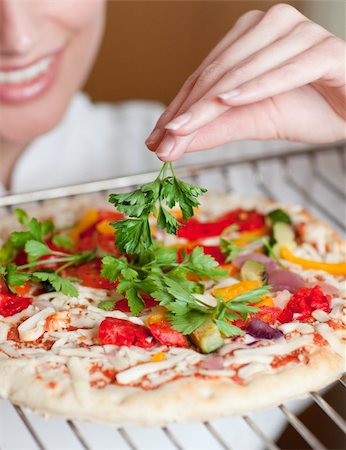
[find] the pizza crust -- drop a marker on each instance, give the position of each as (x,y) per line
(186,399)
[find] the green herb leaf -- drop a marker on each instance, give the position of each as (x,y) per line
(107,305)
(188,322)
(63,241)
(36,249)
(59,283)
(230,249)
(227,329)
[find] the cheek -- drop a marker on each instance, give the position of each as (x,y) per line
(80,28)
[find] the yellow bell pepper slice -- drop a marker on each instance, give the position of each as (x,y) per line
(104,228)
(157,315)
(229,292)
(231,269)
(248,236)
(266,301)
(157,357)
(85,222)
(333,268)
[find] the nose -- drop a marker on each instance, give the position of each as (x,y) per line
(18,32)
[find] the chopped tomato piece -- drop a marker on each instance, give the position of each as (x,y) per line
(123,332)
(11,304)
(112,216)
(90,275)
(194,230)
(165,334)
(215,252)
(303,302)
(268,314)
(22,290)
(107,244)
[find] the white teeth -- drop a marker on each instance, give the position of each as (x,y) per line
(29,73)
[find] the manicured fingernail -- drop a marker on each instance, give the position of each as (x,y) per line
(166,146)
(179,121)
(153,137)
(230,94)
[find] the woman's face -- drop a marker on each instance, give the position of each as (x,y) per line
(47,48)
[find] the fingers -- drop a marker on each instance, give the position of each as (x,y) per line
(282,79)
(303,36)
(243,24)
(252,40)
(244,122)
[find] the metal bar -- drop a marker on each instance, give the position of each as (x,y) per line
(216,435)
(306,195)
(30,428)
(269,445)
(123,433)
(317,173)
(78,435)
(130,180)
(304,432)
(337,419)
(172,438)
(260,183)
(343,381)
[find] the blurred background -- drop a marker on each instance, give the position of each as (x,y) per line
(151,47)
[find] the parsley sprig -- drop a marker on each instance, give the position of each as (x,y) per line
(167,280)
(133,235)
(32,242)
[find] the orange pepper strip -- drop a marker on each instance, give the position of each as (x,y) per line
(156,316)
(104,228)
(333,268)
(231,269)
(23,289)
(229,292)
(85,222)
(266,301)
(248,236)
(157,357)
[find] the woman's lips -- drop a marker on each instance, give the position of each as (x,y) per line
(26,83)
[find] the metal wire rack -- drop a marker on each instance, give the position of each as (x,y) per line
(313,177)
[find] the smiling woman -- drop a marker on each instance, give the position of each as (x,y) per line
(46,52)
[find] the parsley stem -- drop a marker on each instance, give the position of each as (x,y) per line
(47,261)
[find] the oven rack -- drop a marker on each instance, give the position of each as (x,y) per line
(313,177)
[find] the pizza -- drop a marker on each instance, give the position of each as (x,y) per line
(242,309)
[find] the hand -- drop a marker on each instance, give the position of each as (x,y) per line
(275,75)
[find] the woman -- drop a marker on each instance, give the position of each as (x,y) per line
(264,80)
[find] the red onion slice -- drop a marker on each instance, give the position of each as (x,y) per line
(268,263)
(259,329)
(284,279)
(212,363)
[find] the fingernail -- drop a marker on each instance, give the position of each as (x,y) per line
(153,137)
(179,121)
(230,94)
(166,146)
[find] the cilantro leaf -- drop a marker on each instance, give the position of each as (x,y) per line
(59,283)
(36,249)
(203,265)
(227,329)
(188,322)
(230,249)
(22,216)
(107,305)
(134,301)
(14,277)
(63,241)
(166,221)
(112,267)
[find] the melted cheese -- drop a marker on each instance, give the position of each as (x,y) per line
(331,338)
(33,328)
